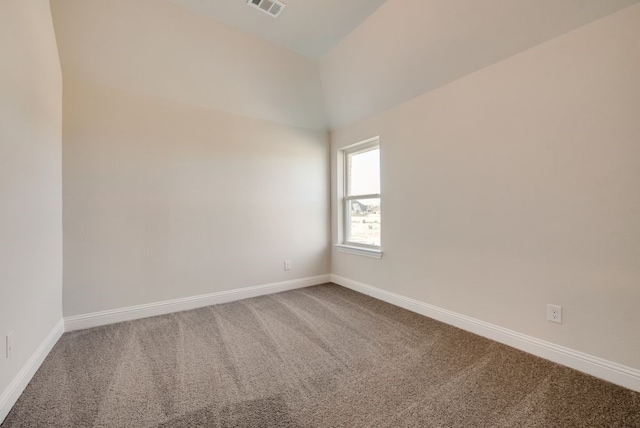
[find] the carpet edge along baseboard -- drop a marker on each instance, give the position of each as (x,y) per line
(112,316)
(610,371)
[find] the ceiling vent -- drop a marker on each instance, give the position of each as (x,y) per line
(271,7)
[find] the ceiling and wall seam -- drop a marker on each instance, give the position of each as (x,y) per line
(396,51)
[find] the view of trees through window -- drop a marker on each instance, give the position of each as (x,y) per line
(362,202)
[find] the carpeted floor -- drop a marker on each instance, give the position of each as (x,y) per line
(322,356)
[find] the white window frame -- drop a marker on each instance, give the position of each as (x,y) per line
(345,198)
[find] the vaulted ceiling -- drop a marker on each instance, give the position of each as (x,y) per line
(308,27)
(321,64)
(409,47)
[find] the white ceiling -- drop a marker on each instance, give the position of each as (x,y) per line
(308,27)
(409,47)
(374,54)
(158,48)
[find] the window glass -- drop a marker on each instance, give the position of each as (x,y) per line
(364,173)
(364,221)
(361,203)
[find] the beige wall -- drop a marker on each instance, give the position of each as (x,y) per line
(195,156)
(30,181)
(518,186)
(164,200)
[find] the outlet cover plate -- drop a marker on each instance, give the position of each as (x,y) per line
(8,344)
(554,313)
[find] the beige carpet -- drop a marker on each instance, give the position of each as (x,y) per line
(322,356)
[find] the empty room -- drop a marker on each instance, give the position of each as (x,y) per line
(319,213)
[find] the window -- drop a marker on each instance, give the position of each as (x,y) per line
(361,217)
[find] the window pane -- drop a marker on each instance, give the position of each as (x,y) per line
(364,221)
(364,173)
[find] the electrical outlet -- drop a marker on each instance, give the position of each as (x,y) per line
(9,344)
(287,265)
(554,313)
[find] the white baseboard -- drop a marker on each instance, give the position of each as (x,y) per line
(10,395)
(95,319)
(595,366)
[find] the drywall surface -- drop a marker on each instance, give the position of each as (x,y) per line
(30,181)
(518,186)
(164,200)
(161,49)
(408,47)
(309,27)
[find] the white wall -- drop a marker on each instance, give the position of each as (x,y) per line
(518,186)
(164,200)
(159,48)
(30,181)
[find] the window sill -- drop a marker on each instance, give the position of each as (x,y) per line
(360,251)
